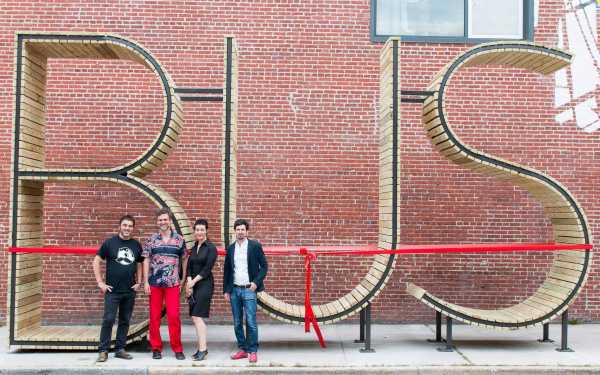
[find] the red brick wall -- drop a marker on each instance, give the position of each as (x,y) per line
(308,150)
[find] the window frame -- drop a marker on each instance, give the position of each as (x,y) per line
(528,24)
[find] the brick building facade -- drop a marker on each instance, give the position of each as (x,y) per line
(308,149)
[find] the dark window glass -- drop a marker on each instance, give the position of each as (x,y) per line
(452,20)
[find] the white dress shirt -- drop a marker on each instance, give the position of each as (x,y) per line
(240,264)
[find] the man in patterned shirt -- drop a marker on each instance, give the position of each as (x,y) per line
(162,254)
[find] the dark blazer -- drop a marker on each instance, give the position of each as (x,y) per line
(257,266)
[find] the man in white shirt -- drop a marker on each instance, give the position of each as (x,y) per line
(244,271)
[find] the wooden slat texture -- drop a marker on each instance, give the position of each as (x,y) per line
(568,270)
(28,286)
(67,337)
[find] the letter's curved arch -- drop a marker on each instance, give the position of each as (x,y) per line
(30,173)
(114,47)
(79,46)
(389,189)
(570,269)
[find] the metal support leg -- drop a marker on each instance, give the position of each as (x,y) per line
(449,347)
(546,333)
(564,343)
(362,328)
(367,348)
(438,328)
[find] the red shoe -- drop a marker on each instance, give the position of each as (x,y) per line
(239,355)
(253,357)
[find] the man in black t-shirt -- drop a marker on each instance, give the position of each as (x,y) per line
(123,256)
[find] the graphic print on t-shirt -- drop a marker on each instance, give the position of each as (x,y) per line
(121,257)
(125,256)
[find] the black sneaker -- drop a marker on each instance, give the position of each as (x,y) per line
(200,356)
(123,355)
(180,356)
(102,357)
(156,354)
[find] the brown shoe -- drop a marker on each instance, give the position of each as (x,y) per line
(102,357)
(123,355)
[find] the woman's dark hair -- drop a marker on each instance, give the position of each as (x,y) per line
(201,222)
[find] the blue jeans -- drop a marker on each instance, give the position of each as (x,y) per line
(243,303)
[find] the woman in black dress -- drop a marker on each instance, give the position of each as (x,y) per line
(200,284)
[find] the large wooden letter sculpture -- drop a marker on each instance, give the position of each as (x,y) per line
(29,175)
(570,268)
(564,281)
(229,165)
(383,264)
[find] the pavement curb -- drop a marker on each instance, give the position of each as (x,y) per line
(425,370)
(73,371)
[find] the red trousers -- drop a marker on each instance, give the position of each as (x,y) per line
(157,296)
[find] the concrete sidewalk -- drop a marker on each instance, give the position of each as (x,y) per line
(399,349)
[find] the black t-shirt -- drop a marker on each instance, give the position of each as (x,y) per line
(121,257)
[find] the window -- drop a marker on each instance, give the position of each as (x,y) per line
(452,20)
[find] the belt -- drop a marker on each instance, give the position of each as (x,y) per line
(243,286)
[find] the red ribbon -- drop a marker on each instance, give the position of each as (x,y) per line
(309,315)
(353,250)
(309,256)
